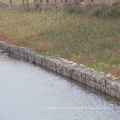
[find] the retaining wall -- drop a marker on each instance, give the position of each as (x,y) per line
(88,76)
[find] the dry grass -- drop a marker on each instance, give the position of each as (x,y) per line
(85,39)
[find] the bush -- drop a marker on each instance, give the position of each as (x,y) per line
(114,10)
(70,9)
(100,11)
(76,9)
(37,5)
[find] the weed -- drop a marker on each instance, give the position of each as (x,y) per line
(74,35)
(47,53)
(38,5)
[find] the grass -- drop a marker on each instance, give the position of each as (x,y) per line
(86,39)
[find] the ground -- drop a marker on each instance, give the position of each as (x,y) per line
(87,35)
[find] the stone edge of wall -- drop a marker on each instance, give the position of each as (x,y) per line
(80,73)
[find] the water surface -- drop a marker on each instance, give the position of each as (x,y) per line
(29,92)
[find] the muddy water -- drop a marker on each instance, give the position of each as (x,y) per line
(28,92)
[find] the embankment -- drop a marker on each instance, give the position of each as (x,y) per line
(80,73)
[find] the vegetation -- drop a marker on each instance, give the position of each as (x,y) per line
(87,35)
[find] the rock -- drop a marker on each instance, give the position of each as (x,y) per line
(111,76)
(1,51)
(83,3)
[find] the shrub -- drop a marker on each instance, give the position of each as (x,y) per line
(99,12)
(37,5)
(70,9)
(114,10)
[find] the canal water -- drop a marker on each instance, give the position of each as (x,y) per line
(29,92)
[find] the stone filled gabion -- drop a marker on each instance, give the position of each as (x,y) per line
(80,73)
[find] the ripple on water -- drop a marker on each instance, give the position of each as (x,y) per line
(28,92)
